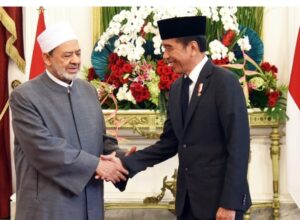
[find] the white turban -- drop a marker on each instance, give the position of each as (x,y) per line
(55,35)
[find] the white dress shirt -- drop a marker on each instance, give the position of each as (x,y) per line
(195,74)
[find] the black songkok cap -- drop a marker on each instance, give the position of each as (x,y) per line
(181,27)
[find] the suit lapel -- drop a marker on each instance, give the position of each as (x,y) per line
(203,78)
(177,108)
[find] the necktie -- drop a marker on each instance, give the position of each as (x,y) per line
(185,96)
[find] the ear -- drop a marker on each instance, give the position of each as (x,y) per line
(46,58)
(194,47)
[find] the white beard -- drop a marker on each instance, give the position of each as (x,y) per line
(67,76)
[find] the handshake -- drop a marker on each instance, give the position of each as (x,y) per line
(110,167)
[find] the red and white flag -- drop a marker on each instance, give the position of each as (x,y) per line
(293,128)
(37,64)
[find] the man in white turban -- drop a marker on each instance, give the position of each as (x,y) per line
(59,137)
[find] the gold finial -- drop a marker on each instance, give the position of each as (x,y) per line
(41,9)
(15,84)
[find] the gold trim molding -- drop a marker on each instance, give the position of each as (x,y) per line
(146,123)
(142,121)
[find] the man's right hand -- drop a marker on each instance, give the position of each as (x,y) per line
(110,169)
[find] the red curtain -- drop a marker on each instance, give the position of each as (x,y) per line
(11,47)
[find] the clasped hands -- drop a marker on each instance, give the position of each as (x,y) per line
(110,167)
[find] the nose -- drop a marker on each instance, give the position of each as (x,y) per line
(166,55)
(75,59)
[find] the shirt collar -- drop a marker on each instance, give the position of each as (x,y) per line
(58,81)
(197,69)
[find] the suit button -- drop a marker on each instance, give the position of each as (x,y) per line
(186,169)
(184,146)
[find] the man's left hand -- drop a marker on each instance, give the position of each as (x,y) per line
(225,214)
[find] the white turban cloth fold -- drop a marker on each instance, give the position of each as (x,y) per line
(55,35)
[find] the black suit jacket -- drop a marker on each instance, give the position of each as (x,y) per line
(212,145)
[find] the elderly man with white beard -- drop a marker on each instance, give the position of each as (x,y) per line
(59,138)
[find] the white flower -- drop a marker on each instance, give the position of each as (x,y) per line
(114,28)
(157,44)
(124,38)
(102,42)
(215,14)
(125,94)
(231,57)
(157,51)
(217,50)
(140,41)
(244,43)
(228,18)
(121,50)
(216,56)
(128,25)
(149,28)
(205,11)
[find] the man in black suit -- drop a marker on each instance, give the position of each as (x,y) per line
(207,125)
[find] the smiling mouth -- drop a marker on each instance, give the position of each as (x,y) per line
(169,63)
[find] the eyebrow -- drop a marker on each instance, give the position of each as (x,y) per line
(167,46)
(76,51)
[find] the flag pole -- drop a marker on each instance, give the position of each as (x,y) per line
(4,110)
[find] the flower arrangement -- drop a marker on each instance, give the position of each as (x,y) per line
(265,94)
(128,66)
(137,84)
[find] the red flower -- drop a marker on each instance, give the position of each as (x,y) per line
(118,73)
(122,80)
(161,63)
(146,94)
(274,69)
(161,85)
(159,70)
(113,68)
(166,70)
(228,38)
(221,61)
(272,103)
(118,67)
(164,78)
(265,66)
(139,92)
(167,76)
(174,76)
(138,98)
(91,74)
(116,84)
(127,68)
(273,98)
(113,57)
(169,83)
